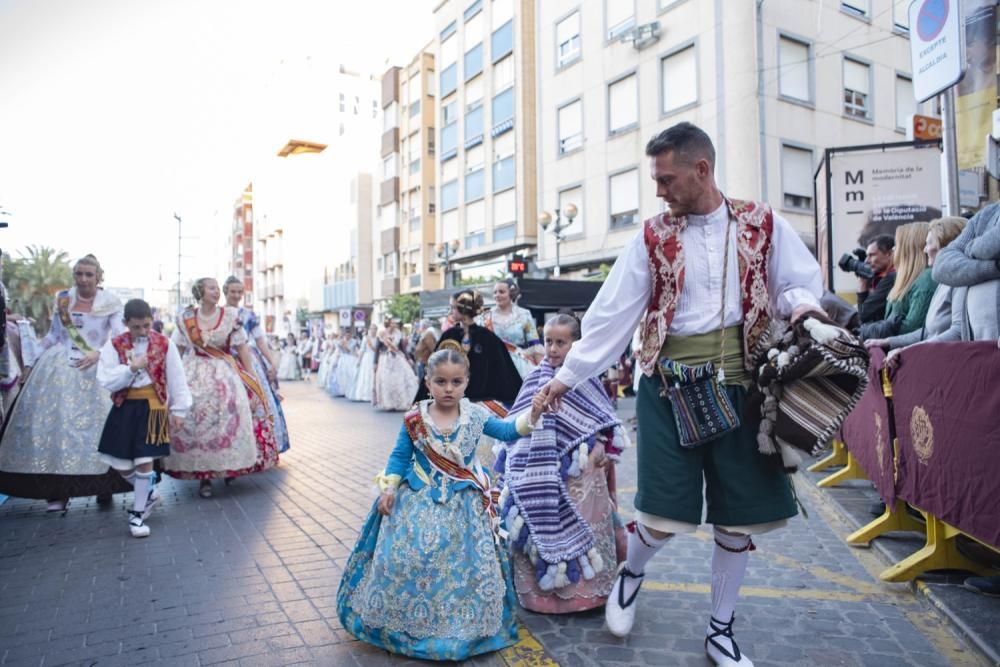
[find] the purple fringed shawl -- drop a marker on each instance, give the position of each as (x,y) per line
(535,468)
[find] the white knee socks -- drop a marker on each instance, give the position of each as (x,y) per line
(142,484)
(729,564)
(641,548)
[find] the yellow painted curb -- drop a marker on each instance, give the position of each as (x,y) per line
(527,652)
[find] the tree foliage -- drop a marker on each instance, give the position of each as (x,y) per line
(404,307)
(32,281)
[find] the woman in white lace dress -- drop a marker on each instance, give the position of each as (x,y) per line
(49,447)
(363,388)
(395,381)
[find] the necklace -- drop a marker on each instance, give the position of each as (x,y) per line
(85,299)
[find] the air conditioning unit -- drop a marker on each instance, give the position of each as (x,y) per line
(642,36)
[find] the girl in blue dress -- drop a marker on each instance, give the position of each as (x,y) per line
(428,578)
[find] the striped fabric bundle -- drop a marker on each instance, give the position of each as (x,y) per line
(809,378)
(540,515)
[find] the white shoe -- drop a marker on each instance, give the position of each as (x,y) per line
(619,612)
(136,526)
(721,646)
(152,500)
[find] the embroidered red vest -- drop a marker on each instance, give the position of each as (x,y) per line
(157,368)
(662,234)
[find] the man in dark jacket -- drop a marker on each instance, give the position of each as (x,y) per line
(872,295)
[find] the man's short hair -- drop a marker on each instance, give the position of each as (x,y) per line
(686,140)
(884,243)
(137,309)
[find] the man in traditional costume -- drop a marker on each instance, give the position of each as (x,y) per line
(692,294)
(143,371)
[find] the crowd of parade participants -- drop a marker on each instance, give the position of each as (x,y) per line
(501,487)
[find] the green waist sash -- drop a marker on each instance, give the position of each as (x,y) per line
(697,349)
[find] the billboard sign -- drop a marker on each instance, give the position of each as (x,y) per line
(871,193)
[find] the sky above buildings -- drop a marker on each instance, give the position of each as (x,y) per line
(114,114)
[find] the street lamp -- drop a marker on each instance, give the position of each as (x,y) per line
(444,252)
(545,219)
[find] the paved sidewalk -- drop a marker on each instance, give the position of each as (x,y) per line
(249,577)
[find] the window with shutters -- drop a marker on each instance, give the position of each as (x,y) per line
(570,120)
(797,177)
(619,16)
(857,8)
(901,15)
(474,31)
(449,51)
(568,40)
(502,112)
(475,217)
(623,198)
(678,80)
(502,41)
(474,61)
(473,94)
(503,74)
(501,12)
(857,89)
(474,127)
(794,69)
(474,185)
(504,209)
(623,105)
(449,195)
(906,104)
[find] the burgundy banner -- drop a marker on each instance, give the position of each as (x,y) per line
(946,398)
(866,432)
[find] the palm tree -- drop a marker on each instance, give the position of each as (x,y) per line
(33,279)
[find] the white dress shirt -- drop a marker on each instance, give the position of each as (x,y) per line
(793,279)
(115,376)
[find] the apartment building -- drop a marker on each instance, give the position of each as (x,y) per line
(773,82)
(407,213)
(486,159)
(241,243)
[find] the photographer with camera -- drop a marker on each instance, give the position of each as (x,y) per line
(876,276)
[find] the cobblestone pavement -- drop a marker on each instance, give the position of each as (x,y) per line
(249,577)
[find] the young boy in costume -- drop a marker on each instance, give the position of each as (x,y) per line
(142,370)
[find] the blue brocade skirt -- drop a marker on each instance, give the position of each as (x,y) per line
(428,581)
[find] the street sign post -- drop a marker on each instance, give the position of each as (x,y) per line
(345,317)
(937,46)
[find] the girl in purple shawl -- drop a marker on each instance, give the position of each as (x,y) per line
(558,491)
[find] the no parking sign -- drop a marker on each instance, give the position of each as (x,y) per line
(937,46)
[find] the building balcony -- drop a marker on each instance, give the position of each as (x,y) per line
(390,141)
(390,86)
(389,191)
(390,286)
(389,240)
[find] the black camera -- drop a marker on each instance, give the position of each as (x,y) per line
(854,262)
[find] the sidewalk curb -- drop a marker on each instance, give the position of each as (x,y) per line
(920,588)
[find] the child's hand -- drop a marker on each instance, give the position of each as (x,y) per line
(385,503)
(537,405)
